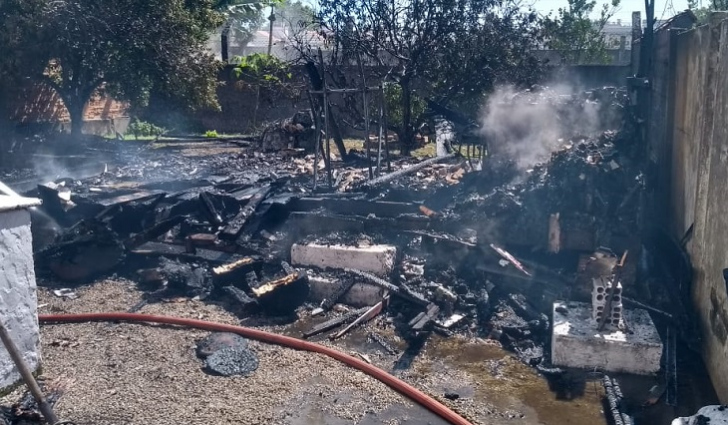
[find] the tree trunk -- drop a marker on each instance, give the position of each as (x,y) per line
(75,110)
(407,132)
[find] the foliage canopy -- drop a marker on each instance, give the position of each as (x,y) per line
(577,37)
(453,51)
(128,47)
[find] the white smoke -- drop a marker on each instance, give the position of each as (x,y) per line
(527,127)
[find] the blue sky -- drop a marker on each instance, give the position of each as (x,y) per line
(663,8)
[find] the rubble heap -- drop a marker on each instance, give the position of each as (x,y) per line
(440,247)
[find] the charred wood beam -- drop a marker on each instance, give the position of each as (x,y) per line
(383,343)
(362,207)
(402,291)
(208,207)
(141,196)
(317,223)
(345,287)
(157,249)
(367,316)
(318,84)
(252,226)
(153,232)
(234,228)
(235,271)
(388,178)
(422,320)
(283,295)
(244,300)
(335,322)
(52,204)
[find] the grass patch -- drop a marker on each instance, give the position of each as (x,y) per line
(427,151)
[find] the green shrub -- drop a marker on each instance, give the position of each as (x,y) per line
(143,129)
(211,134)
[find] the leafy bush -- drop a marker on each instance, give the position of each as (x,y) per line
(262,69)
(393,101)
(143,129)
(211,134)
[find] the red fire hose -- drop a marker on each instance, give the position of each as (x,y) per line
(395,383)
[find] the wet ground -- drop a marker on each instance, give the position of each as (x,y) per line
(496,388)
(492,386)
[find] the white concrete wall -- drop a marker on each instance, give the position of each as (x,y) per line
(18,302)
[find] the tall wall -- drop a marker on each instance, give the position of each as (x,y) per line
(693,158)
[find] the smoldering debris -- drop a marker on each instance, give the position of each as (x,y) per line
(527,126)
(479,253)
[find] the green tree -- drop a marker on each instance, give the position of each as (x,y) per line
(242,19)
(450,50)
(126,47)
(295,14)
(575,35)
(702,9)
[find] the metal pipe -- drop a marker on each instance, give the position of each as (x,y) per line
(27,376)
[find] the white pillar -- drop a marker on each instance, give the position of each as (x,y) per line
(18,302)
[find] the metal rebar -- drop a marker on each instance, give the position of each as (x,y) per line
(27,376)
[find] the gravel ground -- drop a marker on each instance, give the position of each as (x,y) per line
(117,374)
(146,374)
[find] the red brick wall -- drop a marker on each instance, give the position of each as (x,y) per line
(40,104)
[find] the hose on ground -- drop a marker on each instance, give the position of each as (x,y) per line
(397,384)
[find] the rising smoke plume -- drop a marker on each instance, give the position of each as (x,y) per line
(526,127)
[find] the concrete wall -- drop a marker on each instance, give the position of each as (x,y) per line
(18,303)
(695,142)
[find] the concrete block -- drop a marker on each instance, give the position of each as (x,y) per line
(602,288)
(575,341)
(360,295)
(18,300)
(713,415)
(377,259)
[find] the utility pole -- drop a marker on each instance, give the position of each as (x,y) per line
(272,19)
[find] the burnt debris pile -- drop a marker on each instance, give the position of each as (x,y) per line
(435,245)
